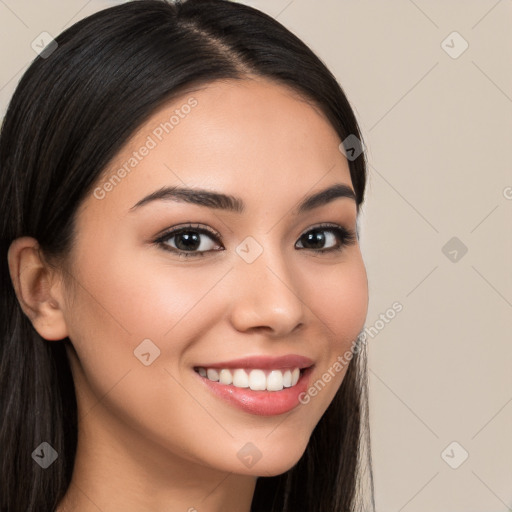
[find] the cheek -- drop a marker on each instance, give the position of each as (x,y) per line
(339,299)
(119,304)
(122,302)
(145,296)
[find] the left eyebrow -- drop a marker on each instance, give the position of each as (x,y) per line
(217,200)
(325,196)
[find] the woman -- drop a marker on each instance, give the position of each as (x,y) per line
(182,286)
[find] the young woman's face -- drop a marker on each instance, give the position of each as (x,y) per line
(176,291)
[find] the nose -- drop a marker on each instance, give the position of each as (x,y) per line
(267,297)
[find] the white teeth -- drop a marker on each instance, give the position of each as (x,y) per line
(287,379)
(240,379)
(212,374)
(257,380)
(225,377)
(275,381)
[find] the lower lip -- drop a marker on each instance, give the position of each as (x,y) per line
(262,403)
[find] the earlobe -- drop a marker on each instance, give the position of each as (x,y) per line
(37,287)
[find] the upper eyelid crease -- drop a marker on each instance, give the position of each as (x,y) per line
(190,227)
(227,202)
(168,233)
(350,236)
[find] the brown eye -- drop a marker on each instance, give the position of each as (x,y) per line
(316,239)
(328,238)
(189,241)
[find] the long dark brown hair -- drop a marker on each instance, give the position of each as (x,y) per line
(72,111)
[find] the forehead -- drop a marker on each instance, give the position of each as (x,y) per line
(251,136)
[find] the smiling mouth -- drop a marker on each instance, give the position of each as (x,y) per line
(254,379)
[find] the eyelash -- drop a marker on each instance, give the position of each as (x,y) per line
(347,236)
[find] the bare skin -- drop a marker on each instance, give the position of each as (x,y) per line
(155,438)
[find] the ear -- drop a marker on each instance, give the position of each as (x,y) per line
(38,288)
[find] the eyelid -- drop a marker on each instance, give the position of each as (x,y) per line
(176,230)
(349,236)
(200,228)
(324,225)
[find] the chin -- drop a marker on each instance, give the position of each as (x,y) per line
(274,460)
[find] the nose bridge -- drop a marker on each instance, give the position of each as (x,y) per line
(267,292)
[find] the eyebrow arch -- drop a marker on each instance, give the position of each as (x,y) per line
(217,200)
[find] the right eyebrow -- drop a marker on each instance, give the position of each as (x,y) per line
(200,197)
(228,202)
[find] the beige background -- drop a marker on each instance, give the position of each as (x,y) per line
(438,131)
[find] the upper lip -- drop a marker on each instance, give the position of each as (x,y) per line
(263,362)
